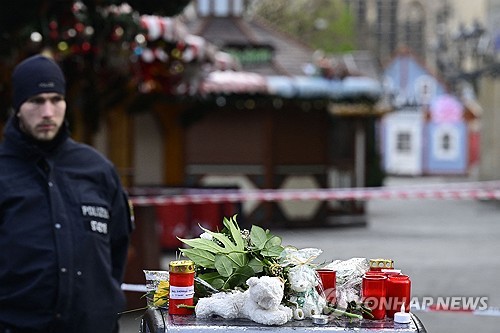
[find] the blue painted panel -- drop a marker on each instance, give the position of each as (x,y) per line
(446,148)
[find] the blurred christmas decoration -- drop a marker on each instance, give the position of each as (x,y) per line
(109,50)
(110,37)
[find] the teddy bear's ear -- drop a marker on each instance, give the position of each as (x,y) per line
(252,281)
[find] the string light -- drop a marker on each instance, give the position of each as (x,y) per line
(62,46)
(36,37)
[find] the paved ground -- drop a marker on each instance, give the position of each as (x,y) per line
(448,247)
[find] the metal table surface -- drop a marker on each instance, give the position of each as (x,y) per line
(159,321)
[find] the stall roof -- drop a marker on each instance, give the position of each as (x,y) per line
(317,87)
(233,82)
(300,87)
(282,76)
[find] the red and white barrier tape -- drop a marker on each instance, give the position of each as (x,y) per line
(477,190)
(140,288)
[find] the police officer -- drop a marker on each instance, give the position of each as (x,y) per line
(64,216)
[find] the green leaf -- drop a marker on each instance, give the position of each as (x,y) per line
(273,241)
(258,236)
(256,265)
(228,245)
(209,277)
(218,283)
(223,265)
(273,251)
(201,258)
(235,232)
(239,277)
(213,278)
(202,244)
(239,259)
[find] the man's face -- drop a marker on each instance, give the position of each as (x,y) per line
(42,115)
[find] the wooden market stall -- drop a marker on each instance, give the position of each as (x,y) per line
(294,129)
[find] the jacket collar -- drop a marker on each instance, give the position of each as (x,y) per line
(21,144)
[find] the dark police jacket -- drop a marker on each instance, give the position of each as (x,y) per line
(64,233)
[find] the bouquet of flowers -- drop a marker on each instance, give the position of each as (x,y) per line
(225,260)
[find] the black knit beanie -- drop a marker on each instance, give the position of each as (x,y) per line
(35,75)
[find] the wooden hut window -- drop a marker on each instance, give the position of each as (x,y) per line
(446,142)
(403,142)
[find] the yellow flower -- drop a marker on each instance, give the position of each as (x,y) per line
(161,295)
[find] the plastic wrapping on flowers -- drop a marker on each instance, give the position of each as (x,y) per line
(349,275)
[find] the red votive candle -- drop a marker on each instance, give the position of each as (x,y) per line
(398,292)
(181,287)
(379,273)
(389,272)
(328,280)
(373,291)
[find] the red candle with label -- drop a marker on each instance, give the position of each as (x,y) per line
(181,287)
(373,291)
(398,292)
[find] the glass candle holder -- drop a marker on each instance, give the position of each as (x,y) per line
(398,293)
(328,279)
(373,292)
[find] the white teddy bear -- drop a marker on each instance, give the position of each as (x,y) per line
(307,301)
(261,303)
